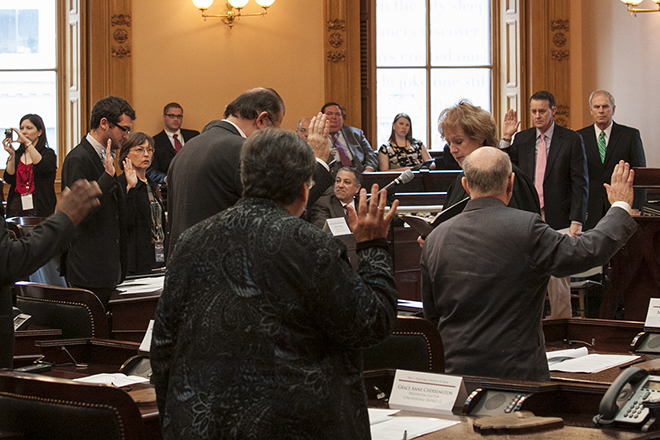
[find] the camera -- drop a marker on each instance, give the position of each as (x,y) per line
(8,133)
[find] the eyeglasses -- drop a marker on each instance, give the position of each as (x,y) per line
(170,115)
(141,150)
(126,130)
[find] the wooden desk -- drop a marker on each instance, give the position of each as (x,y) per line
(575,403)
(25,348)
(131,313)
(99,356)
(635,272)
(424,180)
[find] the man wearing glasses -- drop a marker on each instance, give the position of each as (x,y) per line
(168,142)
(96,260)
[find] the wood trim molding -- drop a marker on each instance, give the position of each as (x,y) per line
(341,45)
(549,56)
(109,62)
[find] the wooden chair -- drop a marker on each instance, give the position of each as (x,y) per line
(41,407)
(415,344)
(79,313)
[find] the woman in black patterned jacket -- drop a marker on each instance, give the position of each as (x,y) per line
(261,325)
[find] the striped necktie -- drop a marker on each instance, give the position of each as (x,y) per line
(602,146)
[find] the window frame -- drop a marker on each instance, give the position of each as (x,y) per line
(368,70)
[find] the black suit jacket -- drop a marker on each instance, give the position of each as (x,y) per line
(97,257)
(625,143)
(524,195)
(204,178)
(164,154)
(566,182)
(141,253)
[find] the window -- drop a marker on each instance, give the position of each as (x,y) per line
(28,65)
(430,54)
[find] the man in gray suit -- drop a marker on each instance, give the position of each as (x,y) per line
(347,185)
(485,271)
(348,145)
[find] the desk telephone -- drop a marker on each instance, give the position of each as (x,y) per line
(626,402)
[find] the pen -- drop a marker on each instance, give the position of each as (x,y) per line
(405,435)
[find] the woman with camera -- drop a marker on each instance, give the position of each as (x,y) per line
(30,170)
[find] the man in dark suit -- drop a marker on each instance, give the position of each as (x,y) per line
(348,145)
(553,157)
(606,143)
(204,178)
(96,260)
(347,185)
(20,257)
(168,142)
(485,271)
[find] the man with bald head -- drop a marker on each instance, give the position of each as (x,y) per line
(303,127)
(485,271)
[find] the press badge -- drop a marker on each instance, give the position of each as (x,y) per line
(160,251)
(27,202)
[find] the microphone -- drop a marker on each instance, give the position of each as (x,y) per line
(404,178)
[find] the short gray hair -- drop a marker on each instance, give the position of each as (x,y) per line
(275,164)
(602,92)
(488,177)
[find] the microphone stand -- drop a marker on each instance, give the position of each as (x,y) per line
(390,200)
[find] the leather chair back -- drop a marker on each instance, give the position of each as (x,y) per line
(415,344)
(79,313)
(40,407)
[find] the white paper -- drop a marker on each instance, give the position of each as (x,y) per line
(116,379)
(653,314)
(338,226)
(427,392)
(564,355)
(592,363)
(142,285)
(394,428)
(146,341)
(378,415)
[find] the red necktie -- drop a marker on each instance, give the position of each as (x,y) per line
(541,161)
(177,143)
(343,154)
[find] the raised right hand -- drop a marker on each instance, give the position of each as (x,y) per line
(109,161)
(510,125)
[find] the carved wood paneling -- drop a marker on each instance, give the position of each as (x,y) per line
(549,54)
(108,50)
(342,57)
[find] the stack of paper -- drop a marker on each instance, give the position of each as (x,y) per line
(580,361)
